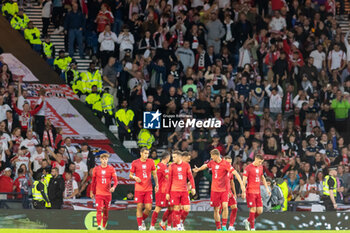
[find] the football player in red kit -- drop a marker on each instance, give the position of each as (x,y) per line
(177,193)
(232,198)
(141,170)
(253,175)
(219,192)
(161,202)
(101,189)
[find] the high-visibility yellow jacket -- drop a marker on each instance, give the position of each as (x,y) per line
(32,35)
(284,188)
(9,9)
(326,188)
(62,63)
(20,23)
(107,103)
(145,138)
(48,50)
(126,117)
(92,98)
(80,81)
(93,79)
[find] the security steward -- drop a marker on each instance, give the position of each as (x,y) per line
(56,189)
(39,190)
(20,21)
(9,9)
(107,102)
(72,75)
(61,63)
(124,119)
(93,101)
(93,77)
(48,50)
(330,190)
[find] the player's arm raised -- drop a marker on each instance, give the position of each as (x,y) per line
(238,177)
(198,169)
(265,184)
(155,177)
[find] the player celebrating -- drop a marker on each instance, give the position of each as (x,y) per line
(253,174)
(141,170)
(232,201)
(101,189)
(219,192)
(177,193)
(161,202)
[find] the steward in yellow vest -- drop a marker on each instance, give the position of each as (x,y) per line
(32,35)
(9,9)
(48,50)
(329,187)
(20,21)
(93,101)
(94,78)
(61,63)
(72,75)
(107,102)
(145,139)
(124,119)
(40,195)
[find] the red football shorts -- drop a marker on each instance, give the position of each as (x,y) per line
(232,201)
(161,201)
(143,197)
(254,200)
(103,201)
(179,198)
(216,198)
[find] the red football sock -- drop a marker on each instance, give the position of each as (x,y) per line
(218,225)
(224,222)
(144,216)
(99,217)
(251,219)
(233,217)
(139,221)
(184,215)
(170,218)
(154,218)
(256,215)
(105,217)
(166,215)
(176,218)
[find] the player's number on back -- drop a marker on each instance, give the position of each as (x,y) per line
(104,181)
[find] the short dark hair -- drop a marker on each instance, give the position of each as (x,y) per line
(144,149)
(185,153)
(20,170)
(177,152)
(165,155)
(259,155)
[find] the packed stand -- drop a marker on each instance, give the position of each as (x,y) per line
(276,75)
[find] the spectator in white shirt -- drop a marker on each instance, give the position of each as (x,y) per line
(36,158)
(336,59)
(70,150)
(22,96)
(71,186)
(275,95)
(126,43)
(277,23)
(29,142)
(80,167)
(107,40)
(319,57)
(3,109)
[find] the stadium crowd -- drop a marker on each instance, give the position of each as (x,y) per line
(275,73)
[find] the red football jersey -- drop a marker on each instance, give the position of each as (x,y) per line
(219,176)
(253,175)
(143,170)
(102,180)
(178,176)
(162,172)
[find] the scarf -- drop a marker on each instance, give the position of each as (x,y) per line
(288,101)
(69,188)
(49,136)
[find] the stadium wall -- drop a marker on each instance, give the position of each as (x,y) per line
(126,220)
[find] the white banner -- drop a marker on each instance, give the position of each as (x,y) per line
(63,114)
(18,68)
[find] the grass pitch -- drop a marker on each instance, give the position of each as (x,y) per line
(128,231)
